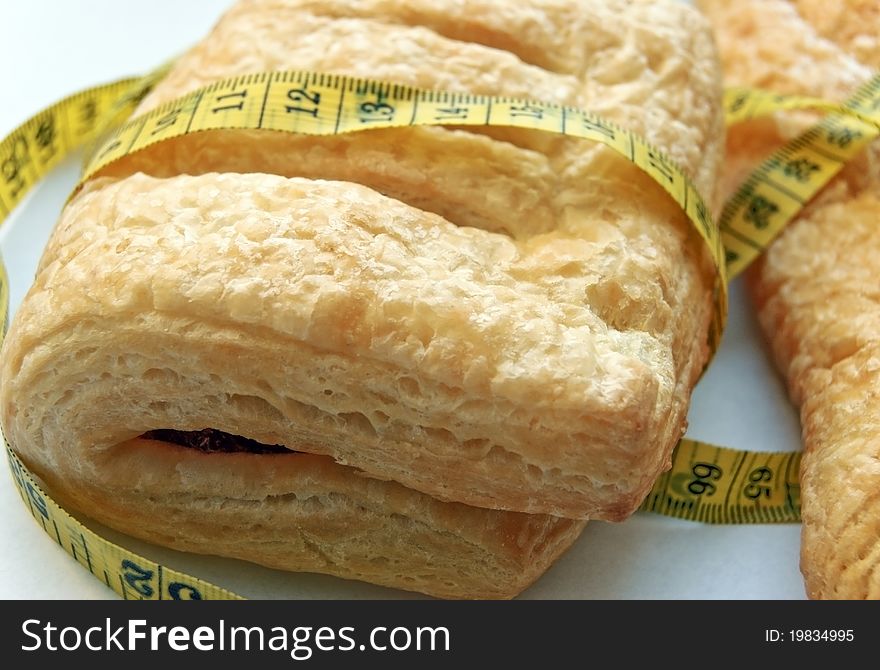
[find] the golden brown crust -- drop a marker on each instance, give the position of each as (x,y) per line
(815,291)
(516,323)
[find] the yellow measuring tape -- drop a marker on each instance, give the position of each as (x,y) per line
(715,484)
(706,482)
(30,152)
(719,485)
(132,576)
(299,102)
(780,187)
(321,104)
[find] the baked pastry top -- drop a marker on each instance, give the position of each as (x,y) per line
(500,318)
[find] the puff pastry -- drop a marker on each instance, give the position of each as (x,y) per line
(503,319)
(815,288)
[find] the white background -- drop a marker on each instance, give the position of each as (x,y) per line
(50,49)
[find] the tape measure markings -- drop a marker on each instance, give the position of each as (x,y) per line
(134,576)
(754,216)
(42,142)
(739,460)
(715,484)
(324,104)
(758,216)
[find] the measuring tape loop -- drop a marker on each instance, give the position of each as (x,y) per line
(706,483)
(780,187)
(742,104)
